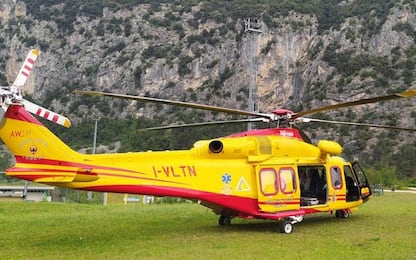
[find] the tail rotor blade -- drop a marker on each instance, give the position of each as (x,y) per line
(12,94)
(46,113)
(26,68)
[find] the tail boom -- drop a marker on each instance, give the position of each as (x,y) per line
(43,157)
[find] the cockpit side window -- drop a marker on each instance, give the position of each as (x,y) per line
(336,179)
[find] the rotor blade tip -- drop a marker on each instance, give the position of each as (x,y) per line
(409,93)
(67,123)
(36,52)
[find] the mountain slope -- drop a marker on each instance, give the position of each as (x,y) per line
(307,55)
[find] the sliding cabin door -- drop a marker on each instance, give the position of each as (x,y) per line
(278,188)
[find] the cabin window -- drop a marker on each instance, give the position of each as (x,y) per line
(336,178)
(268,181)
(287,180)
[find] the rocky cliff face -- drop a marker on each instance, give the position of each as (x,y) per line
(188,52)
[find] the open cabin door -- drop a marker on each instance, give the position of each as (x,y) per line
(363,184)
(278,188)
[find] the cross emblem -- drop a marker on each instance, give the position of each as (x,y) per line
(226,178)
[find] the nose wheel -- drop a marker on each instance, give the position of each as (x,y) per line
(224,220)
(287,225)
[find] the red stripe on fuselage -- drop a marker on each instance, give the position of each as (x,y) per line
(282,202)
(233,205)
(16,173)
(244,205)
(94,168)
(51,162)
(341,197)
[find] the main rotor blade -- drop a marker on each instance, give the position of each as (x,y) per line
(302,133)
(307,120)
(201,124)
(405,94)
(176,103)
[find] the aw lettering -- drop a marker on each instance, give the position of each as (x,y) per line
(20,133)
(170,171)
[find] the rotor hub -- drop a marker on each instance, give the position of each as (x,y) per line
(283,112)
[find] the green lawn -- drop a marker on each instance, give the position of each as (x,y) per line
(383,228)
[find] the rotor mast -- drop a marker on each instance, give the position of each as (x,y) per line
(252,26)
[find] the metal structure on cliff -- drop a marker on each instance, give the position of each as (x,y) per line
(252,26)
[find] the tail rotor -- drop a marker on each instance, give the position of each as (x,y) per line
(11,95)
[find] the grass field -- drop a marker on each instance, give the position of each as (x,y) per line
(384,228)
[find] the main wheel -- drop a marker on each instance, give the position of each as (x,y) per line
(342,214)
(224,220)
(286,227)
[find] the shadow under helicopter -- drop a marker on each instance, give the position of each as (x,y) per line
(323,221)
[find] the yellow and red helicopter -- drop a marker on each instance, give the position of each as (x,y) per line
(261,174)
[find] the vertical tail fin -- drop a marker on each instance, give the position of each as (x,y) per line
(40,155)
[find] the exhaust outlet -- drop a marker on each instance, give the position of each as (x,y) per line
(215,146)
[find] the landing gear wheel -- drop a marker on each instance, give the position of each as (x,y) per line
(224,220)
(345,214)
(342,214)
(286,227)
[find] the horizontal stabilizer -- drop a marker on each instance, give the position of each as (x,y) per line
(55,179)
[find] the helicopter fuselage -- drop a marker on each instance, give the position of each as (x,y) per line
(253,176)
